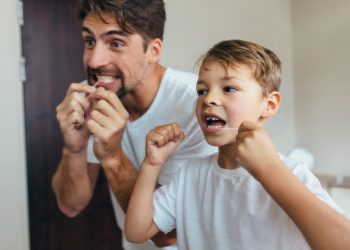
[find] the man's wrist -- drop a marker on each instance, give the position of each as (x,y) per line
(74,155)
(113,161)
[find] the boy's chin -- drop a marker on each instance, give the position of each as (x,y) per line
(219,142)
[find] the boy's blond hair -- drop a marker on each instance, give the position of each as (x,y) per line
(265,65)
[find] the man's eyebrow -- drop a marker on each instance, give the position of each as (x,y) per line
(108,33)
(85,29)
(116,32)
(200,82)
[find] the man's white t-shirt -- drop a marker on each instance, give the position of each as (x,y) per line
(174,102)
(215,208)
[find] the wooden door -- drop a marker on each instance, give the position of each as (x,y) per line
(52,46)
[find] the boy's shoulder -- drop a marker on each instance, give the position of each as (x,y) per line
(299,169)
(200,163)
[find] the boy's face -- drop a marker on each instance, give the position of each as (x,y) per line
(226,98)
(112,57)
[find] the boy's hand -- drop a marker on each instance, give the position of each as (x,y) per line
(161,142)
(254,148)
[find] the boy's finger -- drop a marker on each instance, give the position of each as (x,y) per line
(241,135)
(247,126)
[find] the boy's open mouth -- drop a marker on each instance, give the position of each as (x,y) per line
(215,122)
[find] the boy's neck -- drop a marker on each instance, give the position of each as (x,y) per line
(227,159)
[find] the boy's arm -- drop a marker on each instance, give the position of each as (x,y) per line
(161,142)
(322,226)
(139,225)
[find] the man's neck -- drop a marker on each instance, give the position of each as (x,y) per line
(140,99)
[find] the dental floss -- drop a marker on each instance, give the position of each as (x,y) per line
(189,129)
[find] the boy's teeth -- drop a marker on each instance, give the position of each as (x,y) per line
(212,119)
(212,126)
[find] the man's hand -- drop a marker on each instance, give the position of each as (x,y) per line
(254,148)
(107,121)
(161,142)
(71,114)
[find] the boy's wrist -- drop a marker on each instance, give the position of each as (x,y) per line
(150,166)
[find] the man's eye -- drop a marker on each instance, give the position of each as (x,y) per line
(117,44)
(201,92)
(230,89)
(89,42)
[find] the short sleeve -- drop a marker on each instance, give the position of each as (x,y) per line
(313,184)
(91,158)
(164,201)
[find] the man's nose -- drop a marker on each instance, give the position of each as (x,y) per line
(98,57)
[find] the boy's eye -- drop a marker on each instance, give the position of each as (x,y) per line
(89,42)
(201,92)
(230,89)
(117,44)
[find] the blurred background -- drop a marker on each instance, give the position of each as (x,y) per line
(41,52)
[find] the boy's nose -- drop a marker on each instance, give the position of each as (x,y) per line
(212,99)
(98,57)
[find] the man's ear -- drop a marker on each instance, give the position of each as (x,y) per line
(272,105)
(155,49)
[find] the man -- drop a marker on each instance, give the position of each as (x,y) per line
(104,122)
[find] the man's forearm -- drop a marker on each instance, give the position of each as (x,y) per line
(72,183)
(121,176)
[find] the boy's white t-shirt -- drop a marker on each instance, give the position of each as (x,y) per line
(215,208)
(174,102)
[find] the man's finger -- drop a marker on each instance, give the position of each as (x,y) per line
(110,97)
(79,87)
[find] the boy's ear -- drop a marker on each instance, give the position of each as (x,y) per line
(272,105)
(155,49)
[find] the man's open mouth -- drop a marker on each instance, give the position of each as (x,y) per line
(96,76)
(214,122)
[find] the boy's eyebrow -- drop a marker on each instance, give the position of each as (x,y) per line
(200,82)
(228,78)
(108,33)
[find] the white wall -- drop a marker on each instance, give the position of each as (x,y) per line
(13,193)
(192,27)
(322,54)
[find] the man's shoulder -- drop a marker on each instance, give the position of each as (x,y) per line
(181,77)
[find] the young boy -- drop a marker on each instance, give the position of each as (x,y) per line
(247,196)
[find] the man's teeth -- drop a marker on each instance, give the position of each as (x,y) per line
(105,79)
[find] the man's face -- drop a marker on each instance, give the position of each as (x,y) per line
(113,59)
(226,98)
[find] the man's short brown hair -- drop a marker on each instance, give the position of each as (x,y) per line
(145,17)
